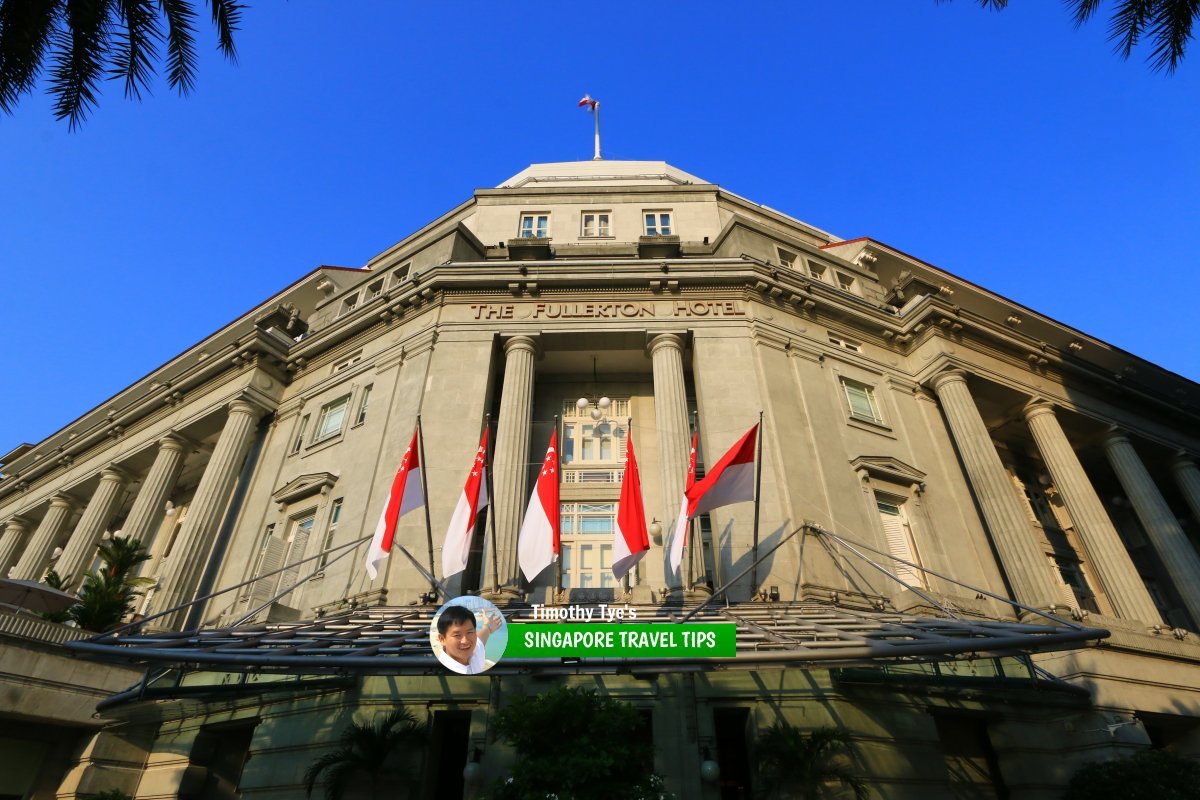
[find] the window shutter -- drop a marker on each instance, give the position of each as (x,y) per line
(294,554)
(895,531)
(1066,595)
(271,560)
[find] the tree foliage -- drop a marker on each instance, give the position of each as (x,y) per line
(1147,775)
(108,594)
(794,764)
(363,750)
(575,744)
(81,42)
(1165,24)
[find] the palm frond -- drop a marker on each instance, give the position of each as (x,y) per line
(181,44)
(1082,10)
(136,51)
(226,15)
(25,33)
(1171,31)
(1129,21)
(79,59)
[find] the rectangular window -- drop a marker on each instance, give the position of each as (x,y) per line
(347,363)
(898,535)
(335,516)
(587,530)
(787,258)
(861,399)
(658,223)
(596,224)
(348,304)
(401,274)
(816,270)
(361,416)
(297,542)
(535,226)
(375,289)
(845,344)
(331,419)
(301,429)
(844,281)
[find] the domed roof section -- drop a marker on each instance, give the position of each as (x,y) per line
(600,173)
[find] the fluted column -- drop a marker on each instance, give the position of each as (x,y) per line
(671,418)
(11,540)
(157,486)
(190,551)
(77,556)
(511,464)
(1187,475)
(33,561)
(1025,566)
(1107,555)
(1167,538)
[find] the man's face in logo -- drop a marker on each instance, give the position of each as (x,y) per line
(459,641)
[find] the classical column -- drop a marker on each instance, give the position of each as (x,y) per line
(1106,552)
(511,463)
(37,554)
(671,418)
(157,486)
(1188,477)
(11,540)
(1167,538)
(1025,566)
(190,552)
(80,549)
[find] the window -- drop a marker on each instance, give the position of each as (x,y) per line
(298,442)
(594,449)
(898,535)
(844,281)
(535,226)
(658,223)
(331,419)
(335,516)
(347,363)
(297,542)
(361,416)
(401,274)
(861,399)
(375,289)
(586,548)
(845,344)
(787,258)
(816,270)
(348,304)
(596,224)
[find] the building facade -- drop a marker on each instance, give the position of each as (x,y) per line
(903,408)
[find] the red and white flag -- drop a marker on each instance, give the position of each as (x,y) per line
(537,544)
(462,524)
(630,540)
(407,493)
(589,102)
(679,538)
(731,480)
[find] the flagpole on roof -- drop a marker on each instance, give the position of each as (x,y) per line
(757,493)
(491,518)
(425,491)
(596,111)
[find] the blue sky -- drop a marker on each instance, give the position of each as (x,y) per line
(1007,148)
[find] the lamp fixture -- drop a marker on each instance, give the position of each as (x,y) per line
(169,508)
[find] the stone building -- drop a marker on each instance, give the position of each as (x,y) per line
(903,409)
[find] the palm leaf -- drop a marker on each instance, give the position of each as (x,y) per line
(181,44)
(1129,21)
(136,52)
(25,32)
(79,59)
(1083,10)
(226,15)
(1172,30)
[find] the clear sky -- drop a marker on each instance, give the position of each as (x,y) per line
(1007,148)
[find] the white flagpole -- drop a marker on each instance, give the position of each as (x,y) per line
(596,112)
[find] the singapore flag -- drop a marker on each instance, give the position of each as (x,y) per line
(407,493)
(474,497)
(537,545)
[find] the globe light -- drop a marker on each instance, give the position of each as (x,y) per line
(710,771)
(582,403)
(604,403)
(597,413)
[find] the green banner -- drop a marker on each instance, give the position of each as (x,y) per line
(622,640)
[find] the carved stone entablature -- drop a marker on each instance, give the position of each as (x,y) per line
(304,486)
(889,469)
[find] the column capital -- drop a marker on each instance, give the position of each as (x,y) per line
(1182,460)
(1115,435)
(945,377)
(246,405)
(17,523)
(173,441)
(61,500)
(1037,407)
(114,474)
(674,341)
(522,342)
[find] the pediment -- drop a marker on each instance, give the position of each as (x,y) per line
(889,469)
(304,486)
